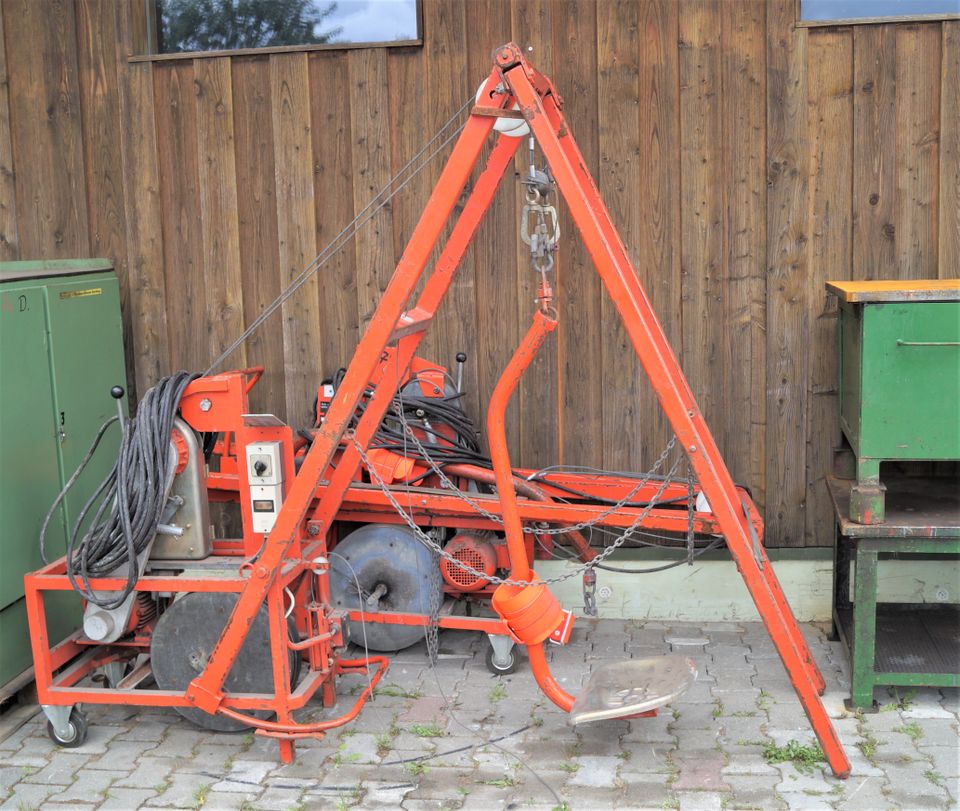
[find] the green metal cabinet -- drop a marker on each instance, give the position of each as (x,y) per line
(899,379)
(61,349)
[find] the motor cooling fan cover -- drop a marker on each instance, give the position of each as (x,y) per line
(476,551)
(391,556)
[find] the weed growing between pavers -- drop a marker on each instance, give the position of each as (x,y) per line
(802,756)
(913,730)
(396,691)
(934,777)
(426,731)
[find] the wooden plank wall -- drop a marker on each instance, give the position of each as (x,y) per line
(744,160)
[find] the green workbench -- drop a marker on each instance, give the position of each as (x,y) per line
(899,379)
(915,644)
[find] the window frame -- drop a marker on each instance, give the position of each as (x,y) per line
(151,43)
(900,18)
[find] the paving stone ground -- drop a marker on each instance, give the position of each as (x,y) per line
(456,737)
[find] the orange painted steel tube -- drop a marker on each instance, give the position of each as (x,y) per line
(503,472)
(542,326)
(541,672)
(291,728)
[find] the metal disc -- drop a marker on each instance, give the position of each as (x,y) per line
(186,635)
(392,557)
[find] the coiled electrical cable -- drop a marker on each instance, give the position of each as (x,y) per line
(128,505)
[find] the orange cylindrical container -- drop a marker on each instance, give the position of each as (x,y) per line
(531,612)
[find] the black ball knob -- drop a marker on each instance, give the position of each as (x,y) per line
(259,467)
(116,392)
(461,357)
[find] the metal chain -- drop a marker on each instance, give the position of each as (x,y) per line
(437,549)
(691,508)
(431,634)
(480,510)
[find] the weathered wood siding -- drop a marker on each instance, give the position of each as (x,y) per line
(744,160)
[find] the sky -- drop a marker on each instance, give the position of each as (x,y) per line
(849,9)
(373,20)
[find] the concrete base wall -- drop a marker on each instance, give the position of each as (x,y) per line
(712,590)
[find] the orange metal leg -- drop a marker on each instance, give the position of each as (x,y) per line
(206,690)
(666,377)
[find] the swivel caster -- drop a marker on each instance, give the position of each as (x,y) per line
(501,659)
(66,726)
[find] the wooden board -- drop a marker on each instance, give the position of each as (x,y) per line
(875,152)
(185,309)
(143,208)
(654,236)
(915,290)
(701,209)
(258,227)
(743,65)
(830,140)
(787,272)
(296,232)
(103,158)
(220,229)
(618,178)
(539,389)
(918,151)
(334,206)
(9,244)
(948,255)
(494,248)
(46,128)
(579,342)
(447,89)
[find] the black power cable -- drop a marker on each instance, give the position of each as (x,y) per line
(128,505)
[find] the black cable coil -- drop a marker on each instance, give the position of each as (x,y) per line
(129,503)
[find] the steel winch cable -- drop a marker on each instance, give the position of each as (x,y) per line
(128,504)
(348,231)
(131,499)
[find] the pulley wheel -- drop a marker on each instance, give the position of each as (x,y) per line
(394,571)
(184,639)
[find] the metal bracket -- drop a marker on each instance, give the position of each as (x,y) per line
(113,672)
(754,539)
(502,646)
(590,593)
(59,718)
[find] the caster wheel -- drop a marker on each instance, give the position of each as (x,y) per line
(78,728)
(499,669)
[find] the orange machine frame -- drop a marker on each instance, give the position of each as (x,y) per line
(293,555)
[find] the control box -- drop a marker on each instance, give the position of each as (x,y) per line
(265,475)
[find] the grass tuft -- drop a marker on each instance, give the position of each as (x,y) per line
(803,757)
(426,731)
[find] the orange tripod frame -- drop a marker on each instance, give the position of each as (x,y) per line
(382,357)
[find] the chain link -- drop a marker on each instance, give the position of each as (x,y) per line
(431,544)
(447,484)
(691,509)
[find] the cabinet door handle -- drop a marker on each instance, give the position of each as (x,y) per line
(901,342)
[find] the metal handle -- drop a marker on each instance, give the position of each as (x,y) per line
(901,342)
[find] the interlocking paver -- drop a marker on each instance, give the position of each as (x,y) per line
(90,785)
(709,756)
